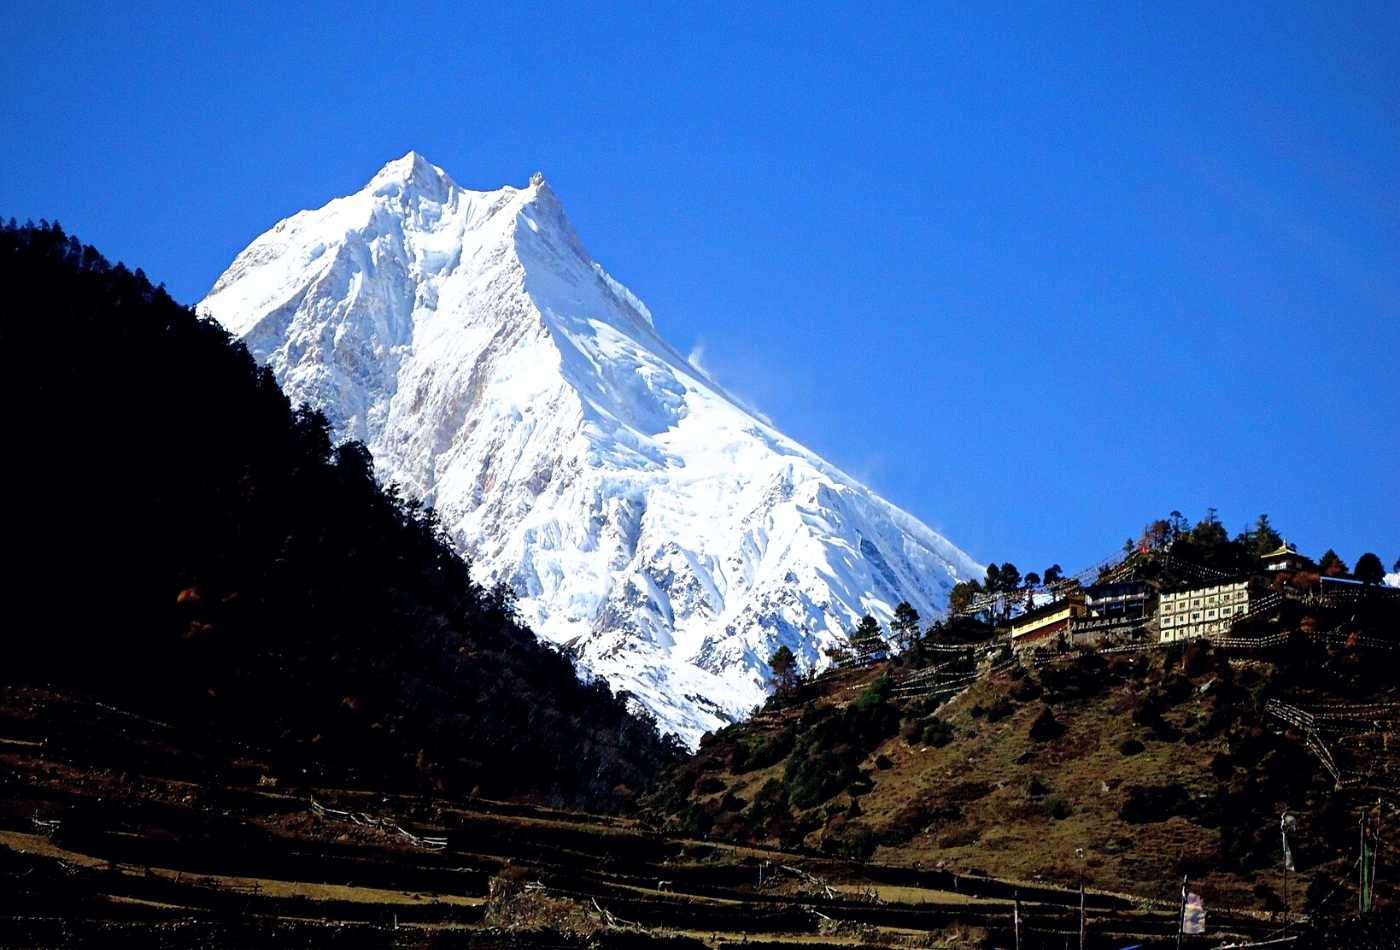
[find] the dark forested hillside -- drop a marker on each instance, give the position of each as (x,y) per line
(182,540)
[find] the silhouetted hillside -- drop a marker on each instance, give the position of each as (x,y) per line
(187,543)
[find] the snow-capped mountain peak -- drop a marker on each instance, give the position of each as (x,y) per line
(413,170)
(645,519)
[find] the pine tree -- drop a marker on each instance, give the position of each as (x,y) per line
(905,628)
(1157,535)
(1178,523)
(1209,533)
(962,595)
(784,666)
(1010,583)
(1264,536)
(867,637)
(1369,569)
(1331,565)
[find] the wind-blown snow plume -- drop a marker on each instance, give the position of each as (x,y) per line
(645,519)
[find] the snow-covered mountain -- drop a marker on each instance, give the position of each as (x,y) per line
(644,518)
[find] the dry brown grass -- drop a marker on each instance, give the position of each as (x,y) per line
(269,887)
(518,904)
(1027,809)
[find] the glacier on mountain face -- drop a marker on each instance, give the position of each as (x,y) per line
(647,522)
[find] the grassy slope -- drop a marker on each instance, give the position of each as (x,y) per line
(996,800)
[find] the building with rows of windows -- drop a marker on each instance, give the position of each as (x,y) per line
(1202,611)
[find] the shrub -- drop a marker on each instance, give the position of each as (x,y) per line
(826,756)
(915,817)
(1000,710)
(1131,746)
(694,820)
(875,694)
(1152,803)
(1197,659)
(769,805)
(960,837)
(852,841)
(739,758)
(752,756)
(1027,690)
(937,733)
(967,792)
(1046,726)
(813,778)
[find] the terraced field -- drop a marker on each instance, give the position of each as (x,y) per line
(112,834)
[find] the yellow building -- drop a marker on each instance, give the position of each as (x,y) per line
(1047,621)
(1284,558)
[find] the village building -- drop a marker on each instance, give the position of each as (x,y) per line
(1118,611)
(1284,558)
(1349,588)
(1047,621)
(1202,611)
(1125,600)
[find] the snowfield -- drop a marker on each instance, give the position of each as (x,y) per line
(646,521)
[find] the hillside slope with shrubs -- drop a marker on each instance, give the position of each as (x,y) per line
(1130,770)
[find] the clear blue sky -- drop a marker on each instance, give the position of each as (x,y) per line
(1037,275)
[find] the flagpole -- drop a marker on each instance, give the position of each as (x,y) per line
(1285,898)
(1083,920)
(1375,853)
(1016,917)
(1181,914)
(1082,925)
(1284,822)
(1361,890)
